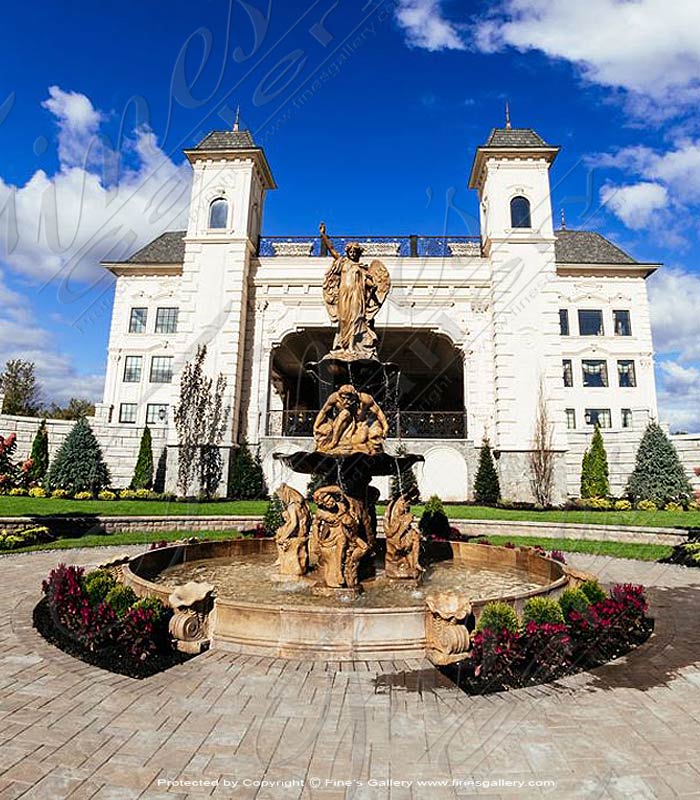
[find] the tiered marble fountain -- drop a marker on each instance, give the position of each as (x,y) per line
(326,587)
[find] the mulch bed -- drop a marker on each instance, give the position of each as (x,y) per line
(109,658)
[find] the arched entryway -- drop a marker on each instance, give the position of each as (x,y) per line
(430,397)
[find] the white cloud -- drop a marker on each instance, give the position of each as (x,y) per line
(679,395)
(674,296)
(635,204)
(649,48)
(65,224)
(426,27)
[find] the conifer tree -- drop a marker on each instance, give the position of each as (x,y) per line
(273,515)
(143,472)
(39,454)
(404,482)
(658,473)
(594,468)
(246,480)
(79,465)
(487,488)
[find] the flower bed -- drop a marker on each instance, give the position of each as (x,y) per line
(586,628)
(93,618)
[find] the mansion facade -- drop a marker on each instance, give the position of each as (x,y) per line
(482,330)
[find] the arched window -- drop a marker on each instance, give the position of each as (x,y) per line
(218,213)
(520,212)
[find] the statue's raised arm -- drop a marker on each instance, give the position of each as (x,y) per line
(326,240)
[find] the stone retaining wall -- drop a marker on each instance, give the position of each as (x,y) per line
(193,525)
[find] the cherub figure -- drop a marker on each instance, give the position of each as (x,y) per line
(402,540)
(293,535)
(350,422)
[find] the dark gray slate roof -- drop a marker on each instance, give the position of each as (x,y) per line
(515,137)
(587,247)
(227,140)
(168,248)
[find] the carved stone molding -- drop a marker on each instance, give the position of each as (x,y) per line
(468,249)
(380,248)
(115,567)
(446,635)
(294,249)
(189,626)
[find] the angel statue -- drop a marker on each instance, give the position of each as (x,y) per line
(293,534)
(402,540)
(353,293)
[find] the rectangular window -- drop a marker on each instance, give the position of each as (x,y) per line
(595,372)
(132,369)
(563,322)
(568,372)
(625,373)
(590,322)
(598,416)
(621,322)
(166,320)
(161,369)
(156,414)
(571,419)
(626,417)
(127,412)
(137,320)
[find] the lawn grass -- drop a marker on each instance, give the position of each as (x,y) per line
(122,539)
(41,507)
(640,552)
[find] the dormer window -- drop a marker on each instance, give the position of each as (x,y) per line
(218,214)
(520,212)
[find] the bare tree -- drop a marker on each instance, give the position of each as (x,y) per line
(200,421)
(541,457)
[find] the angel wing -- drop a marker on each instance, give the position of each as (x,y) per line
(331,288)
(382,283)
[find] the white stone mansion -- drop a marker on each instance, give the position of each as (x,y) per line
(477,326)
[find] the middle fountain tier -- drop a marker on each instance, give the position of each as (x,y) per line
(356,389)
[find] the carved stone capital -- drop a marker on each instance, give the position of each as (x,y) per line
(446,634)
(189,626)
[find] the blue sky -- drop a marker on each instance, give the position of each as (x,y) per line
(369,115)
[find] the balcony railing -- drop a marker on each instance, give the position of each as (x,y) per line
(404,424)
(412,246)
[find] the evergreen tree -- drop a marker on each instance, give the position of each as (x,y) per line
(487,489)
(246,480)
(658,473)
(404,481)
(39,454)
(433,521)
(161,470)
(143,472)
(594,468)
(79,465)
(273,515)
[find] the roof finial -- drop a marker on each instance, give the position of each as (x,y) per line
(563,220)
(238,117)
(508,125)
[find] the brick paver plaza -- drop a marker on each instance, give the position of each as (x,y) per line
(257,727)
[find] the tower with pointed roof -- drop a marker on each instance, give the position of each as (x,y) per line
(511,175)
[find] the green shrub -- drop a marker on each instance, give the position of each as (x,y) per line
(105,494)
(658,473)
(160,610)
(542,610)
(25,538)
(79,465)
(498,616)
(647,505)
(593,590)
(672,506)
(404,483)
(120,599)
(573,600)
(594,469)
(623,505)
(487,488)
(83,496)
(246,480)
(98,585)
(599,503)
(39,454)
(143,471)
(273,515)
(60,494)
(433,521)
(37,491)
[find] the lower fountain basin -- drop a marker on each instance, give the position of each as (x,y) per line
(286,620)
